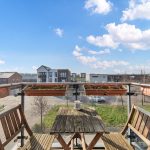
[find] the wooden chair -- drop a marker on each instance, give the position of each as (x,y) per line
(13,121)
(138,122)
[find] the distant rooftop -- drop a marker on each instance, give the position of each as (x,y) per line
(6,74)
(47,68)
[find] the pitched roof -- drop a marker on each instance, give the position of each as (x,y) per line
(6,74)
(47,68)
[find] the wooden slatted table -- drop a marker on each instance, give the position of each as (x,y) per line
(78,122)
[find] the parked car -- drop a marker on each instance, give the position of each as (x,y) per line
(101,100)
(97,99)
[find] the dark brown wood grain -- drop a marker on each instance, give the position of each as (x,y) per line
(71,121)
(9,123)
(13,121)
(5,127)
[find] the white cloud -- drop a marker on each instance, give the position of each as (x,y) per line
(98,6)
(2,62)
(102,52)
(137,10)
(86,59)
(59,32)
(94,62)
(83,59)
(109,64)
(122,34)
(102,41)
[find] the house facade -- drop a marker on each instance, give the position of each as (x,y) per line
(46,74)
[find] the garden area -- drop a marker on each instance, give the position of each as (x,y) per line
(114,116)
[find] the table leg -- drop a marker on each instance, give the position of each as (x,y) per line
(72,144)
(76,135)
(62,142)
(83,141)
(76,141)
(94,141)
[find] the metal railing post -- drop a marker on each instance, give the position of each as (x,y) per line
(129,108)
(22,130)
(129,99)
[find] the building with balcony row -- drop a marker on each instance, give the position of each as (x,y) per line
(47,74)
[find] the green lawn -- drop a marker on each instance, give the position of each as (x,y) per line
(112,115)
(50,117)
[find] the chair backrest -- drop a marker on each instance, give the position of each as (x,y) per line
(139,123)
(12,121)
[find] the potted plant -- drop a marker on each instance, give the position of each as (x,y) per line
(104,89)
(45,90)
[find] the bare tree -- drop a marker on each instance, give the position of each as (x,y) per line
(40,107)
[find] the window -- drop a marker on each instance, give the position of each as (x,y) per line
(50,80)
(55,74)
(42,73)
(63,74)
(50,74)
(95,76)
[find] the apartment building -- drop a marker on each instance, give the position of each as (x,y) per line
(64,75)
(78,77)
(46,74)
(10,77)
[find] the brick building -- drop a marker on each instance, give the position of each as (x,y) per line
(10,77)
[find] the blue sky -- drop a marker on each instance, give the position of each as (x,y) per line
(93,36)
